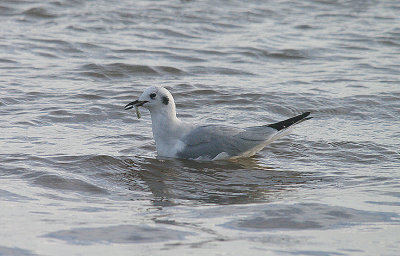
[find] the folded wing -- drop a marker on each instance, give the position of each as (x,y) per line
(209,141)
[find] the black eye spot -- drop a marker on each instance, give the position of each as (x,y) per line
(165,100)
(153,95)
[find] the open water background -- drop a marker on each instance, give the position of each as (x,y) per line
(80,176)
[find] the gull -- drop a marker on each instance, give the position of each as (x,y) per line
(178,139)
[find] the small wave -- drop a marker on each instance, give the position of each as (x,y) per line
(89,96)
(283,54)
(56,45)
(7,11)
(46,54)
(168,70)
(217,70)
(126,70)
(366,152)
(211,52)
(334,110)
(305,27)
(15,251)
(8,61)
(62,116)
(226,25)
(288,54)
(9,196)
(39,12)
(84,174)
(28,123)
(307,216)
(185,58)
(173,33)
(66,173)
(120,234)
(389,42)
(62,183)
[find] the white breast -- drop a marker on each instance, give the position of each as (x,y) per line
(169,148)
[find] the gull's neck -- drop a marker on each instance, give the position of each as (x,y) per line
(164,122)
(167,130)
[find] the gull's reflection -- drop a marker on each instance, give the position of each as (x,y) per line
(174,181)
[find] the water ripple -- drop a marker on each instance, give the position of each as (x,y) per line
(122,70)
(68,147)
(39,12)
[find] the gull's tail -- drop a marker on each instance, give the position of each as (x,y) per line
(284,127)
(291,121)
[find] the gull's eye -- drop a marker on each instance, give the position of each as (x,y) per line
(153,95)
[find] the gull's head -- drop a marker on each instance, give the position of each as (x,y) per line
(156,99)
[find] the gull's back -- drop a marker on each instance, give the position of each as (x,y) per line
(216,142)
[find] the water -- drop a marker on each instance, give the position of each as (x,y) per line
(79,175)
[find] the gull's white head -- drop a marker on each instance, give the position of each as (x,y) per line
(156,99)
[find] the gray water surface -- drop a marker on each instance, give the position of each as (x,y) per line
(79,175)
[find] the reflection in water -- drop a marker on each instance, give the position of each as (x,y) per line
(217,182)
(172,181)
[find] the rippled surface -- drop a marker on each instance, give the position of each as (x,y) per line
(79,175)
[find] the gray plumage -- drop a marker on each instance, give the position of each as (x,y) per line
(211,140)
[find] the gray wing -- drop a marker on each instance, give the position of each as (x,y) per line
(211,140)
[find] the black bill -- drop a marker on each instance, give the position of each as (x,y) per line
(135,103)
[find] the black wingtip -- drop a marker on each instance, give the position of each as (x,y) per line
(291,121)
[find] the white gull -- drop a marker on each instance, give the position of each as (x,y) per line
(175,138)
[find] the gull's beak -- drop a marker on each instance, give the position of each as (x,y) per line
(135,103)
